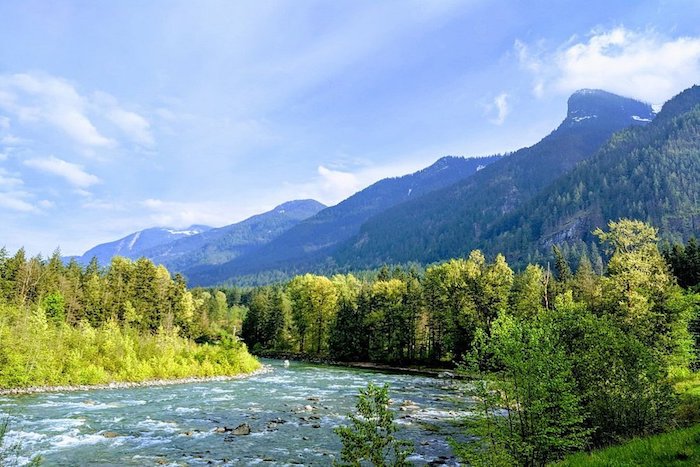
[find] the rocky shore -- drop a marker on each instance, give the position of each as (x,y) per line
(128,384)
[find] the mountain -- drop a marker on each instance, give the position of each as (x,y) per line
(314,239)
(133,245)
(650,173)
(452,221)
(182,249)
(222,244)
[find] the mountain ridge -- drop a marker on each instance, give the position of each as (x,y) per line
(452,221)
(315,238)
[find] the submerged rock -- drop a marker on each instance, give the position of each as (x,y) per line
(408,405)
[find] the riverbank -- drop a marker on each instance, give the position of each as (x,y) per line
(130,384)
(435,372)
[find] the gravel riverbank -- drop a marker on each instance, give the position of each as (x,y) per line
(128,384)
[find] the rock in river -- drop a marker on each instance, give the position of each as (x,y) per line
(242,429)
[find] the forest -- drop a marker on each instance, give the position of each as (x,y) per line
(562,357)
(69,325)
(576,356)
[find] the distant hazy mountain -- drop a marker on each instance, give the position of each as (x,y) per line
(316,238)
(219,245)
(455,220)
(181,249)
(133,245)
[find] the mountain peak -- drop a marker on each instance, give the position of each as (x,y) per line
(596,105)
(298,204)
(681,103)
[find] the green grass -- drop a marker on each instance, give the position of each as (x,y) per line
(677,448)
(688,391)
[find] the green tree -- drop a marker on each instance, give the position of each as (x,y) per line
(535,386)
(313,299)
(370,436)
(640,292)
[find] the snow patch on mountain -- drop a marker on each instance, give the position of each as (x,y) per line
(134,240)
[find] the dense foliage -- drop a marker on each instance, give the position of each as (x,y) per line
(684,261)
(594,368)
(129,322)
(573,358)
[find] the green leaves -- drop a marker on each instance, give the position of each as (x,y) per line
(370,436)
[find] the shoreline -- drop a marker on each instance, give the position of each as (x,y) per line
(447,372)
(130,384)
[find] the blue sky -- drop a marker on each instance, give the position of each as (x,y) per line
(117,116)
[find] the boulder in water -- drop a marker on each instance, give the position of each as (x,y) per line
(242,429)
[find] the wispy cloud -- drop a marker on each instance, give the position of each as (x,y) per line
(133,126)
(167,213)
(9,180)
(641,64)
(39,98)
(73,173)
(12,196)
(500,107)
(43,98)
(15,201)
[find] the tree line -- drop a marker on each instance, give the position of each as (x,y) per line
(567,358)
(130,321)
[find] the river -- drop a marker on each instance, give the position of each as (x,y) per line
(291,411)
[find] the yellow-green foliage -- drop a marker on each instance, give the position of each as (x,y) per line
(35,352)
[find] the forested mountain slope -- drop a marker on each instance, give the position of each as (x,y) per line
(451,222)
(315,238)
(650,173)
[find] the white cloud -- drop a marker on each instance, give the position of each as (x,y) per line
(12,197)
(46,204)
(331,186)
(641,64)
(33,98)
(132,124)
(14,201)
(337,184)
(73,173)
(185,213)
(11,140)
(44,98)
(8,180)
(500,107)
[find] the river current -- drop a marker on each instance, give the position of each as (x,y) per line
(291,412)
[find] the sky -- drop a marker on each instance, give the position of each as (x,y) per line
(118,116)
